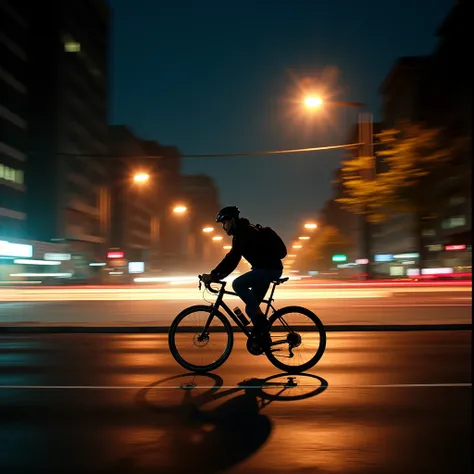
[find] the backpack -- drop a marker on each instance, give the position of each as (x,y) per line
(274,241)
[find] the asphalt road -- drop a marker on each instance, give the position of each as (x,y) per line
(340,307)
(377,403)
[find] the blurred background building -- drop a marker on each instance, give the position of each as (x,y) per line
(144,186)
(68,125)
(436,92)
(68,180)
(202,198)
(14,57)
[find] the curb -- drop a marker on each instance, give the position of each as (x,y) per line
(164,329)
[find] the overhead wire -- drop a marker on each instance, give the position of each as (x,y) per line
(219,155)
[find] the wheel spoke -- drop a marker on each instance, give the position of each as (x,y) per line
(298,339)
(197,350)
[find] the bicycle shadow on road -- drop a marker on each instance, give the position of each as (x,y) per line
(208,426)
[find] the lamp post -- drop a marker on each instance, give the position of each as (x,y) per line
(185,245)
(365,136)
(114,204)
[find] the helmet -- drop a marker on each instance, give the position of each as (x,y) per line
(227,212)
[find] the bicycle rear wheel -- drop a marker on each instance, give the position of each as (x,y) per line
(298,339)
(197,352)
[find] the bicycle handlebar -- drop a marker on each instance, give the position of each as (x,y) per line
(208,285)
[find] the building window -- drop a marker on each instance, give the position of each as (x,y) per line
(72,47)
(453,222)
(11,174)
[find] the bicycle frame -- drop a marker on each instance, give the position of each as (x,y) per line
(220,302)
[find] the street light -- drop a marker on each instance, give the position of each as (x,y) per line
(310,225)
(208,229)
(313,102)
(141,177)
(366,141)
(180,209)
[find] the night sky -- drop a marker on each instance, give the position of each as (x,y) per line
(226,77)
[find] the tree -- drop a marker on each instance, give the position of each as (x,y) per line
(415,162)
(328,242)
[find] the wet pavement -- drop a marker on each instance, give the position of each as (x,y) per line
(377,402)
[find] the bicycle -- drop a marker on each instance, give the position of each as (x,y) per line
(273,346)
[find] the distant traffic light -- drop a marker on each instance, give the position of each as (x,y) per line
(339,258)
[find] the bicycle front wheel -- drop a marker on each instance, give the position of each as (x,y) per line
(195,350)
(298,339)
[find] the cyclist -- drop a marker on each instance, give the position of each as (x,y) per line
(248,241)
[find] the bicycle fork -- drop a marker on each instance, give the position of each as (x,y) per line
(208,322)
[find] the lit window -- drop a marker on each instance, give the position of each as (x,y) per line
(10,174)
(458,221)
(454,222)
(19,177)
(72,47)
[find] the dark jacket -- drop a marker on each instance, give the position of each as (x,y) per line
(247,242)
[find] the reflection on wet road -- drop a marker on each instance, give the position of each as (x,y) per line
(376,403)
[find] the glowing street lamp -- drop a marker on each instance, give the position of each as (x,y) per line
(313,102)
(310,225)
(141,177)
(208,229)
(217,237)
(180,209)
(303,237)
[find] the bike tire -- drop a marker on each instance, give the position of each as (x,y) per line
(174,350)
(319,328)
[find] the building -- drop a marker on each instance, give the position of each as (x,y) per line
(168,178)
(134,208)
(68,131)
(333,214)
(403,91)
(202,198)
(450,107)
(14,56)
(436,90)
(402,99)
(142,222)
(357,227)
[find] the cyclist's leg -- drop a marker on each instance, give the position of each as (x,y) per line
(252,287)
(260,290)
(261,285)
(243,285)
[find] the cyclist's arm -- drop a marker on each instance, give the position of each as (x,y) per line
(228,265)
